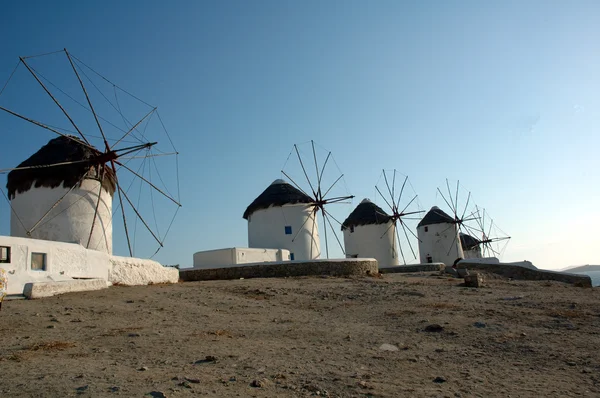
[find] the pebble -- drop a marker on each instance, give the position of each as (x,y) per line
(434,328)
(479,325)
(388,347)
(143,369)
(439,379)
(260,383)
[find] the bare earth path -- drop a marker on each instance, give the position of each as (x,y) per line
(306,336)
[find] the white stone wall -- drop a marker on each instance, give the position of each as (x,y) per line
(473,253)
(441,242)
(64,261)
(266,229)
(230,257)
(68,262)
(130,271)
(70,221)
(372,241)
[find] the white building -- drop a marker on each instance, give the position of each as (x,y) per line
(236,256)
(438,238)
(369,232)
(282,217)
(59,203)
(471,246)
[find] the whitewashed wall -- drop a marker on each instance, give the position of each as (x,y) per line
(231,257)
(64,261)
(473,253)
(441,242)
(70,221)
(372,241)
(266,229)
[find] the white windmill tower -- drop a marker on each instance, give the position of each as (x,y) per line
(64,191)
(283,217)
(371,232)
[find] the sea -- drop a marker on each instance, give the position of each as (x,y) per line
(594,275)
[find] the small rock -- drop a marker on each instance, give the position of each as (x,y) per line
(262,383)
(114,389)
(473,280)
(586,370)
(479,325)
(523,334)
(50,326)
(133,335)
(143,369)
(191,380)
(388,347)
(157,394)
(434,328)
(571,363)
(82,389)
(439,379)
(233,378)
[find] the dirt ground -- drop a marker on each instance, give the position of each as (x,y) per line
(394,336)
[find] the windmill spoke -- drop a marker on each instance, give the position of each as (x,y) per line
(316,169)
(148,182)
(55,100)
(47,128)
(303,224)
(329,214)
(87,246)
(394,186)
(294,182)
(332,185)
(339,199)
(333,232)
(412,233)
(154,155)
(87,97)
(390,192)
(406,207)
(412,212)
(388,229)
(399,244)
(467,205)
(323,168)
(408,240)
(456,199)
(388,203)
(453,208)
(54,206)
(134,127)
(304,170)
(325,229)
(140,217)
(122,209)
(443,197)
(453,242)
(401,191)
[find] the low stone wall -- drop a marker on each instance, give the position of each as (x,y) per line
(430,267)
(36,290)
(129,271)
(285,269)
(522,273)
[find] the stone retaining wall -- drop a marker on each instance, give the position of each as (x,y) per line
(430,267)
(345,267)
(522,273)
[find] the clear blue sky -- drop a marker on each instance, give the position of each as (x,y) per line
(501,95)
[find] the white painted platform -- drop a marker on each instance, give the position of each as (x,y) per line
(36,290)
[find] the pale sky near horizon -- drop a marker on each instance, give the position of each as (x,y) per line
(503,96)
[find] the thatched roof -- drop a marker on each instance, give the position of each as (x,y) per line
(435,216)
(366,213)
(277,194)
(58,150)
(469,242)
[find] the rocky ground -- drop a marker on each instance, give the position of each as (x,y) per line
(394,336)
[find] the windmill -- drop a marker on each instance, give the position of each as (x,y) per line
(492,240)
(64,191)
(403,212)
(309,169)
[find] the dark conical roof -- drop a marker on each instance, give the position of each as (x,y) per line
(468,242)
(366,213)
(435,216)
(279,193)
(59,150)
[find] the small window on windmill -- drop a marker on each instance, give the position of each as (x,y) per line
(288,229)
(291,256)
(426,229)
(352,229)
(38,261)
(4,254)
